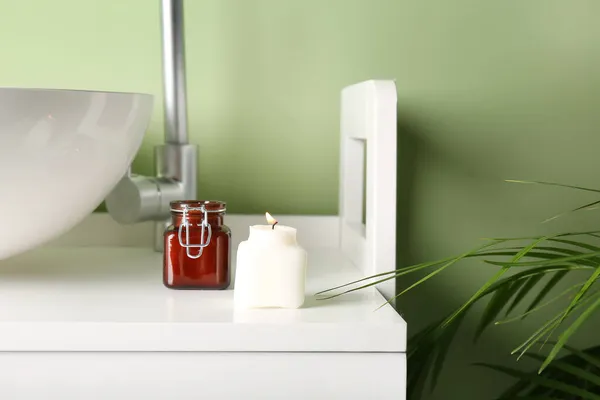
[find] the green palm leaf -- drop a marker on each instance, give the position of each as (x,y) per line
(573,243)
(491,281)
(527,287)
(557,257)
(544,292)
(566,234)
(558,260)
(564,337)
(549,327)
(568,252)
(585,356)
(553,184)
(544,382)
(397,273)
(588,284)
(580,369)
(588,206)
(570,369)
(437,271)
(443,346)
(496,304)
(538,307)
(583,207)
(427,349)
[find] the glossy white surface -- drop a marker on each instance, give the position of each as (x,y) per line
(89,294)
(211,376)
(113,299)
(61,152)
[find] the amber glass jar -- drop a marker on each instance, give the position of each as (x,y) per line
(197,246)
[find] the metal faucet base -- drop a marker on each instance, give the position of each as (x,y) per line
(139,198)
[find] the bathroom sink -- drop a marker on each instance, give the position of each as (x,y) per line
(61,153)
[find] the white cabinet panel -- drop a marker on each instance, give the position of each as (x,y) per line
(190,375)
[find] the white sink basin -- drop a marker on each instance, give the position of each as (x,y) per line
(61,153)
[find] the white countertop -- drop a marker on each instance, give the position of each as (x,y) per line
(112,299)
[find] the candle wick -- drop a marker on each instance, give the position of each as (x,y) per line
(273,227)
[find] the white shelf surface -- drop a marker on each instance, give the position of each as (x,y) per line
(109,298)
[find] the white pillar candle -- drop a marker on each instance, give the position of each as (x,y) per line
(270,268)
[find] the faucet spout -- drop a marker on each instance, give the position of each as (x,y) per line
(140,198)
(174,82)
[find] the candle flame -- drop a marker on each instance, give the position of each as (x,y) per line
(270,219)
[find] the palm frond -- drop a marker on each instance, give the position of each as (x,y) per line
(524,291)
(505,291)
(545,256)
(540,306)
(564,337)
(544,382)
(573,376)
(499,299)
(549,327)
(552,184)
(588,206)
(544,292)
(576,301)
(442,350)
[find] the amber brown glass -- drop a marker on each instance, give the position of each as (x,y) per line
(212,269)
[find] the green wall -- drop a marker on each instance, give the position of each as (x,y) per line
(487,90)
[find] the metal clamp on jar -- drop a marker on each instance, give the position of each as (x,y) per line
(186,226)
(197,225)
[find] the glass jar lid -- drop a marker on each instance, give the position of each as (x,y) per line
(194,206)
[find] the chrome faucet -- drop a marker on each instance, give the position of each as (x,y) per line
(142,198)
